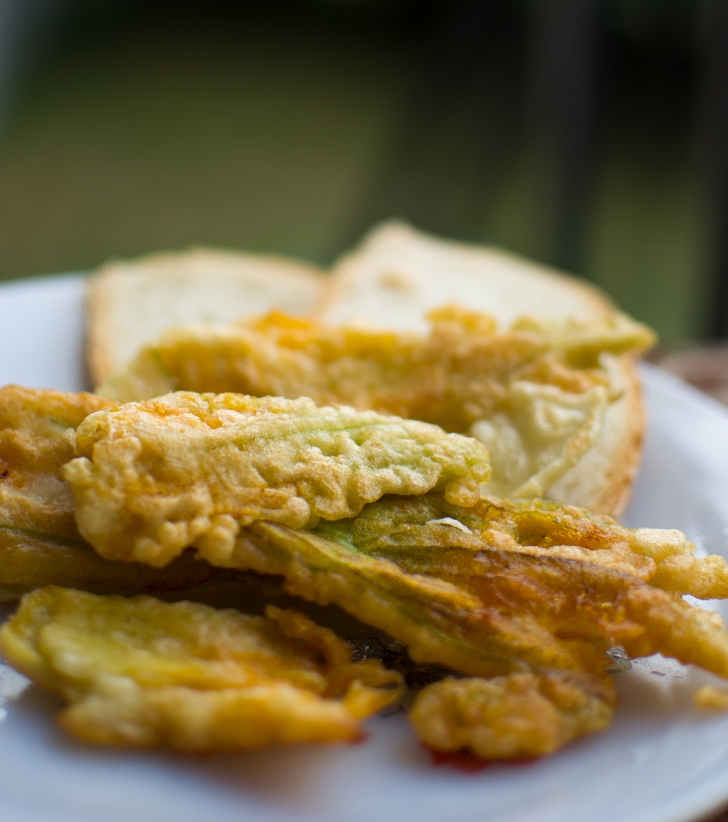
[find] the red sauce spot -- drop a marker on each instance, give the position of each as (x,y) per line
(469,763)
(519,762)
(460,760)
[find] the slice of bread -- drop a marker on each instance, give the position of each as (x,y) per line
(133,303)
(398,274)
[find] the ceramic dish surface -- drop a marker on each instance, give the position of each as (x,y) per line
(661,761)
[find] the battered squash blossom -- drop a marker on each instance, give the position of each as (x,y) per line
(189,469)
(145,673)
(530,595)
(534,394)
(39,540)
(515,604)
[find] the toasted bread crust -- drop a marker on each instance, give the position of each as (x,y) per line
(99,343)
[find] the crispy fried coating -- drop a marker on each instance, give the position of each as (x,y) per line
(457,600)
(143,673)
(536,528)
(452,377)
(37,436)
(534,394)
(29,561)
(189,469)
(710,698)
(512,717)
(503,588)
(39,541)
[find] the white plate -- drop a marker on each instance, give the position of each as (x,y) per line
(661,761)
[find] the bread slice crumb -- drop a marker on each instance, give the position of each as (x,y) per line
(130,303)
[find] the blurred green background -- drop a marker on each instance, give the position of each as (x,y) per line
(293,126)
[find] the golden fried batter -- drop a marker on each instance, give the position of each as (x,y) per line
(502,588)
(512,717)
(452,377)
(534,394)
(39,540)
(710,698)
(537,528)
(191,469)
(143,673)
(37,436)
(481,608)
(29,561)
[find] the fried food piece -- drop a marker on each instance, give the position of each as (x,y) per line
(503,588)
(190,469)
(451,378)
(536,528)
(37,436)
(143,673)
(534,394)
(39,541)
(511,717)
(472,603)
(710,698)
(30,561)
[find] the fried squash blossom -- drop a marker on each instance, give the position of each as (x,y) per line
(190,470)
(143,673)
(535,394)
(517,604)
(520,600)
(39,540)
